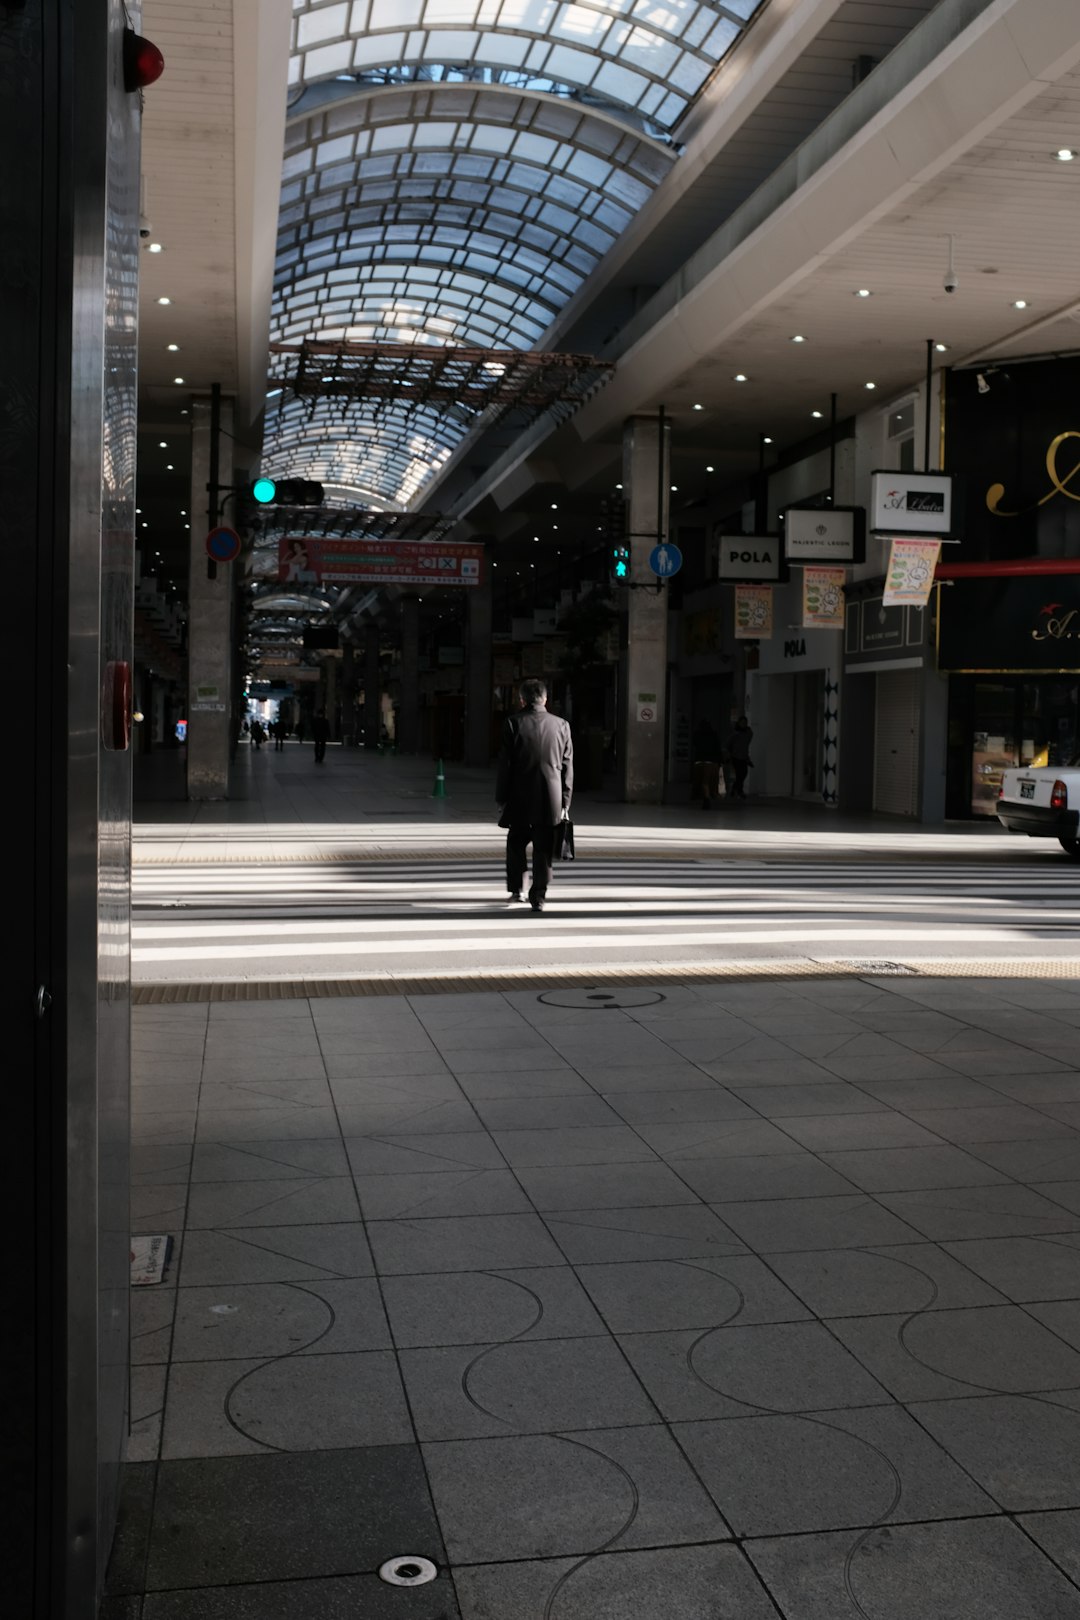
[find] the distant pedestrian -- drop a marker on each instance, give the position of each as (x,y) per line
(533,788)
(258,735)
(320,730)
(705,773)
(737,750)
(279,735)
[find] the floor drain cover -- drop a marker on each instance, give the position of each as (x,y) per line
(407,1571)
(593,999)
(875,967)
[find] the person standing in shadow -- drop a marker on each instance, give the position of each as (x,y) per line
(320,730)
(737,749)
(533,788)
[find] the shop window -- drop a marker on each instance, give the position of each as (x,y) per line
(900,436)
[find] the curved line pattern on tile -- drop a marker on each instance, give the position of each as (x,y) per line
(595,1552)
(635,1496)
(489,1349)
(271,1361)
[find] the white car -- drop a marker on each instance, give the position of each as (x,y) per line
(1044,802)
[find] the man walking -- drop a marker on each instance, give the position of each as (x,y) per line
(534,786)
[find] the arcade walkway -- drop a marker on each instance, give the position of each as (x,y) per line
(700,1300)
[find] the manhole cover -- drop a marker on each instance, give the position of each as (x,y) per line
(879,968)
(596,999)
(407,1571)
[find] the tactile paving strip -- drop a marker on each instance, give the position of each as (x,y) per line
(435,984)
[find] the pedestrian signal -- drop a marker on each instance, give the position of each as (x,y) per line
(620,562)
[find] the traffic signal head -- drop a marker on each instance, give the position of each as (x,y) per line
(620,562)
(287,492)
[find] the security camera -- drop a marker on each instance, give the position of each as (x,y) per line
(952,281)
(146,229)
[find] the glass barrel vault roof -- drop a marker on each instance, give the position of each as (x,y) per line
(454,171)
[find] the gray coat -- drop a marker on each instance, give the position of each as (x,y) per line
(536,769)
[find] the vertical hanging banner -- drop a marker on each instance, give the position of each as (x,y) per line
(911,572)
(823,599)
(753,612)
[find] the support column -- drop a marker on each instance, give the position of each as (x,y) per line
(372,688)
(478,672)
(331,699)
(646,483)
(348,694)
(408,715)
(210,618)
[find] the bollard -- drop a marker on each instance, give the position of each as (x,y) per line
(439,790)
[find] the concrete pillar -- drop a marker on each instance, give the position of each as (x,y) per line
(408,715)
(478,672)
(331,698)
(209,620)
(348,694)
(646,487)
(372,687)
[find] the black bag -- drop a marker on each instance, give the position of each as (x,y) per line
(564,841)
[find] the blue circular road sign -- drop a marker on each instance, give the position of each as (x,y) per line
(223,545)
(665,560)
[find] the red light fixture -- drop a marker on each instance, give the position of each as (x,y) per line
(143,62)
(1059,797)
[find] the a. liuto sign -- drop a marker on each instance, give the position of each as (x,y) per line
(911,503)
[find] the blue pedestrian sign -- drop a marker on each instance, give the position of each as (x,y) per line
(665,560)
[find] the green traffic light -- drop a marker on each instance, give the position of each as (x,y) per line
(621,570)
(263,490)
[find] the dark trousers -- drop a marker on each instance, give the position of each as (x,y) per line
(518,840)
(738,787)
(320,750)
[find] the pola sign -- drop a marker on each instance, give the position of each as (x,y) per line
(751,558)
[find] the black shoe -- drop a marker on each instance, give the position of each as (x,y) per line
(516,895)
(537,905)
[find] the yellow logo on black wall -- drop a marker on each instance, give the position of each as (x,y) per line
(1058,485)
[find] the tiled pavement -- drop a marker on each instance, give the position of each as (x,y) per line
(749,1299)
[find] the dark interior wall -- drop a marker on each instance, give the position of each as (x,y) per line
(68,284)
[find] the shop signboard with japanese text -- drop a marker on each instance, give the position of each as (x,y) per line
(823,598)
(317,560)
(911,572)
(753,612)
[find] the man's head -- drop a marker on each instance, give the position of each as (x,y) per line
(533,694)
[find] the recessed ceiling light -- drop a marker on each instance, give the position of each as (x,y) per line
(178,379)
(144,524)
(710,469)
(871,385)
(164,300)
(798,338)
(169,467)
(815,413)
(182,512)
(942,348)
(618,486)
(138,511)
(740,376)
(173,348)
(862,292)
(1020,303)
(766,440)
(1065,154)
(187,525)
(554,506)
(163,444)
(154,247)
(699,407)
